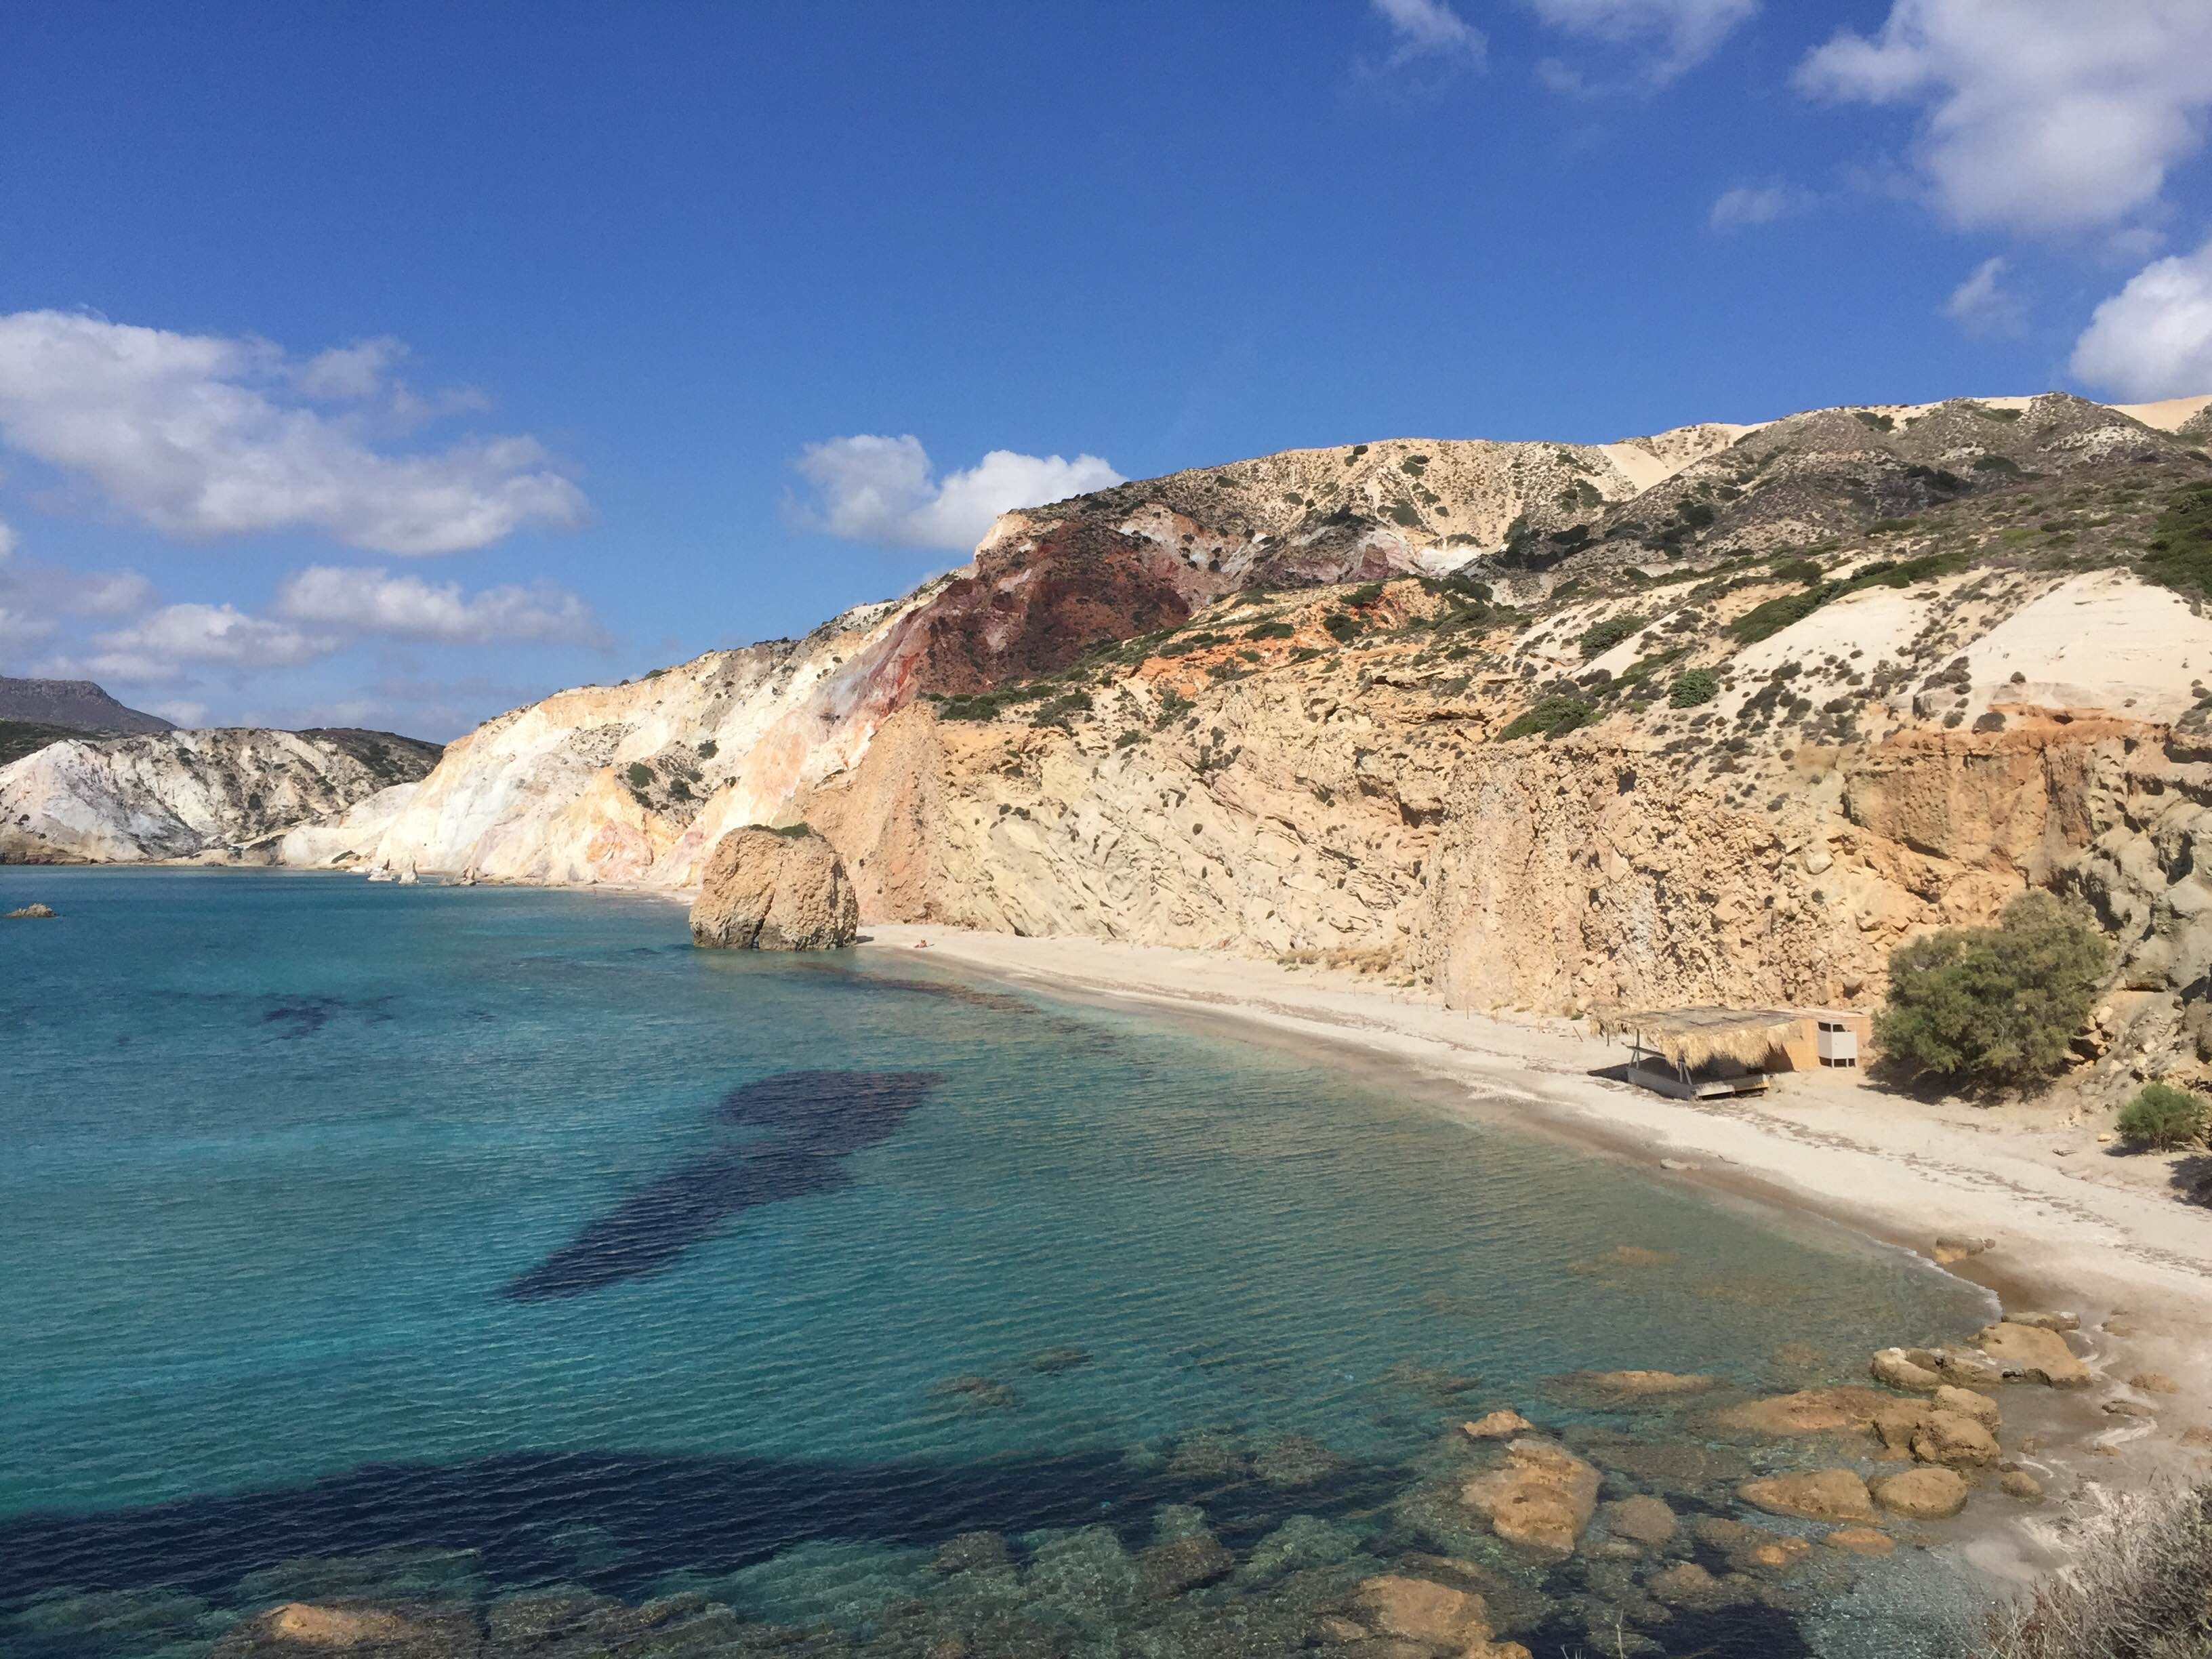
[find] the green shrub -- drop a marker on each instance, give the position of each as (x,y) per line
(640,775)
(1764,621)
(1804,571)
(1995,1005)
(1554,717)
(2003,465)
(1271,631)
(2180,553)
(1343,627)
(1601,637)
(709,749)
(1173,704)
(1130,738)
(1878,422)
(1694,686)
(1364,595)
(2164,1117)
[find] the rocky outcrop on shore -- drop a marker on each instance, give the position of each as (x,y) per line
(774,890)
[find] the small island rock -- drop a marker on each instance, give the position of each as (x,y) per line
(32,913)
(774,890)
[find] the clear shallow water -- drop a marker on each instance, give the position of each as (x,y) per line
(453,1245)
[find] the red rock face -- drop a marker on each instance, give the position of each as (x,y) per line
(1035,605)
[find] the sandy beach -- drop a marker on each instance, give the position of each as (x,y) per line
(2072,1226)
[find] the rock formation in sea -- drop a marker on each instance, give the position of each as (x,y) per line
(774,890)
(1720,714)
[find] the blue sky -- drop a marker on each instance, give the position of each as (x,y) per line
(393,364)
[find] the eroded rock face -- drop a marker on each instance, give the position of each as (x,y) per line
(767,889)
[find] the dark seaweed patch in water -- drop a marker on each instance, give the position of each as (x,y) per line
(815,1121)
(521,1514)
(300,1017)
(616,1525)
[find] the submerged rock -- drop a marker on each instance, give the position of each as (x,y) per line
(1642,1520)
(1497,1425)
(1542,1499)
(774,890)
(986,1393)
(1809,1411)
(1862,1541)
(971,1550)
(1434,1615)
(1053,1361)
(1168,1570)
(1296,1460)
(1619,1388)
(304,1627)
(1812,1495)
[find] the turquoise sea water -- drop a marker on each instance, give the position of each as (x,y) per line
(450,1248)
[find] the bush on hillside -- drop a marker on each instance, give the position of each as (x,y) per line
(1694,686)
(1601,637)
(1554,717)
(2163,1117)
(1765,620)
(2180,553)
(1995,1005)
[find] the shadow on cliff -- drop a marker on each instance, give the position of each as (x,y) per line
(814,1122)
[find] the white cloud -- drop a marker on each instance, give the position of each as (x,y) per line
(32,588)
(367,601)
(165,645)
(349,374)
(2153,338)
(1431,29)
(1983,305)
(883,489)
(1686,32)
(179,712)
(21,629)
(194,435)
(1750,205)
(2040,115)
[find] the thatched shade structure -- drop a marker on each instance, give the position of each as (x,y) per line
(1692,1038)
